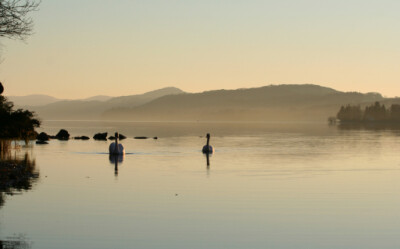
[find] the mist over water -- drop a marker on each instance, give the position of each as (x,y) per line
(268,185)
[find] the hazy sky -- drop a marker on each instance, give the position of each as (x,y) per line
(83,48)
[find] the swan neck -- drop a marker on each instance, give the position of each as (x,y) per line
(116,149)
(208,141)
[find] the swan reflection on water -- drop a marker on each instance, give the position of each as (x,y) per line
(208,150)
(207,155)
(116,159)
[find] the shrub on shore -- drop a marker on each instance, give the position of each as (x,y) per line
(16,124)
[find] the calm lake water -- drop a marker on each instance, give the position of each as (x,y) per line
(266,186)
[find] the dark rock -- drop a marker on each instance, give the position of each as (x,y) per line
(100,136)
(52,137)
(120,137)
(82,138)
(62,135)
(155,137)
(43,137)
(41,142)
(140,137)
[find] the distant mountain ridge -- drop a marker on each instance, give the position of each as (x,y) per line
(270,103)
(135,100)
(33,100)
(42,99)
(305,102)
(98,98)
(93,109)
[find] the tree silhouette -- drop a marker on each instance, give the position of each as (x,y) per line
(374,113)
(16,24)
(16,124)
(350,113)
(14,20)
(395,112)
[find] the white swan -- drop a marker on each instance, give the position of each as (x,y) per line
(116,148)
(208,149)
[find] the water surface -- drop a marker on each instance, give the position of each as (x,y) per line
(267,186)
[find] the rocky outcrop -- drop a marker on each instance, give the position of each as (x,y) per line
(62,135)
(82,138)
(43,137)
(143,137)
(100,136)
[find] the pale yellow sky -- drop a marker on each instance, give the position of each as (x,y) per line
(93,47)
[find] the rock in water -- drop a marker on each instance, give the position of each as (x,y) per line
(62,135)
(100,136)
(43,136)
(82,138)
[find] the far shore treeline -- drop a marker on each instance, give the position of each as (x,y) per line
(376,112)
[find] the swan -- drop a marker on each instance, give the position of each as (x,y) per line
(208,149)
(116,148)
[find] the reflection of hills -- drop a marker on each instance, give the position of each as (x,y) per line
(276,103)
(93,108)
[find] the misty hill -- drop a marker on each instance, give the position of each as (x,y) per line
(98,98)
(41,99)
(140,99)
(269,103)
(32,100)
(92,109)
